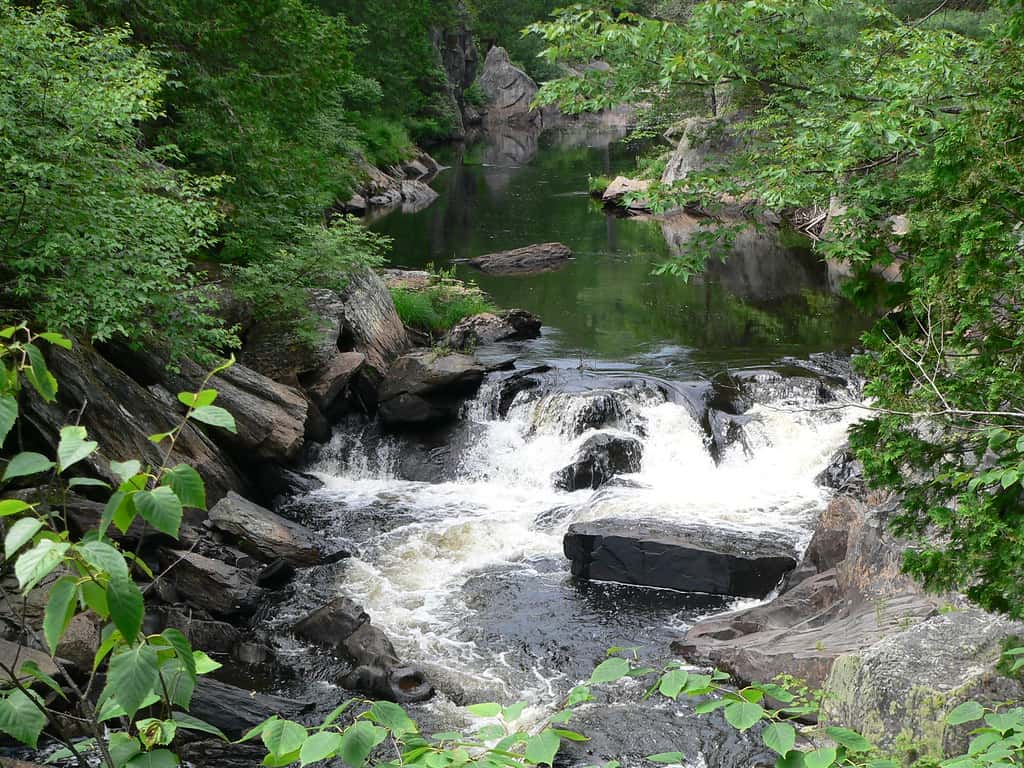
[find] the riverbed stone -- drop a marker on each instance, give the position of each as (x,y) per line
(601,457)
(268,536)
(235,710)
(212,585)
(372,325)
(427,387)
(615,193)
(489,328)
(528,260)
(689,557)
(331,381)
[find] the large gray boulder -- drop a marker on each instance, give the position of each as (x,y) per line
(600,458)
(236,710)
(509,90)
(372,326)
(268,536)
(689,558)
(529,260)
(331,381)
(489,328)
(120,414)
(343,626)
(427,387)
(898,692)
(616,192)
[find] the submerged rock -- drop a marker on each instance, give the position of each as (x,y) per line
(529,260)
(268,536)
(599,459)
(689,558)
(345,627)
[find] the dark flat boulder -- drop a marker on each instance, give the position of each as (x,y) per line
(689,558)
(426,388)
(327,384)
(598,460)
(529,260)
(236,710)
(268,536)
(489,328)
(214,586)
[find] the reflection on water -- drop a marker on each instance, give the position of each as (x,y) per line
(770,298)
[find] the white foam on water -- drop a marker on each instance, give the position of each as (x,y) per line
(408,579)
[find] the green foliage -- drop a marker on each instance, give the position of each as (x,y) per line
(438,307)
(385,141)
(500,23)
(848,102)
(97,230)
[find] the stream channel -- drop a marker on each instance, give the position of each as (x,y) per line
(460,533)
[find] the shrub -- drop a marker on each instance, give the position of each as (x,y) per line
(440,306)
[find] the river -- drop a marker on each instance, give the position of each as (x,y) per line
(460,532)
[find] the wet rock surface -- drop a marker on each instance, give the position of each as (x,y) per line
(235,710)
(427,387)
(600,458)
(213,585)
(691,558)
(489,328)
(529,260)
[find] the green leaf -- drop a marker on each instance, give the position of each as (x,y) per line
(8,415)
(852,740)
(214,416)
(672,682)
(743,715)
(319,746)
(358,741)
(190,723)
(158,758)
(820,758)
(25,464)
(792,759)
(123,747)
(73,447)
(90,482)
(198,399)
(156,732)
(967,712)
(55,338)
(39,375)
(132,677)
(542,748)
(179,682)
(256,730)
(31,669)
(20,534)
(60,609)
(513,711)
(104,558)
(161,508)
(570,735)
(124,600)
(610,670)
(125,470)
(490,709)
(779,737)
(20,718)
(95,598)
(337,712)
(36,564)
(282,737)
(10,507)
(710,706)
(187,485)
(182,648)
(392,717)
(669,758)
(204,664)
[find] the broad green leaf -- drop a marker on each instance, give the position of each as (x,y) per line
(672,682)
(60,609)
(95,597)
(392,717)
(319,746)
(182,648)
(104,558)
(161,508)
(10,507)
(338,711)
(710,706)
(852,740)
(884,764)
(668,758)
(155,732)
(779,737)
(56,339)
(36,564)
(158,758)
(178,681)
(491,732)
(743,715)
(280,761)
(8,415)
(31,669)
(190,723)
(87,482)
(570,735)
(542,748)
(609,670)
(39,375)
(561,718)
(820,758)
(792,759)
(214,416)
(123,747)
(73,447)
(513,711)
(256,730)
(20,534)
(204,664)
(198,399)
(124,600)
(358,741)
(20,718)
(125,470)
(132,677)
(25,464)
(187,485)
(490,709)
(282,737)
